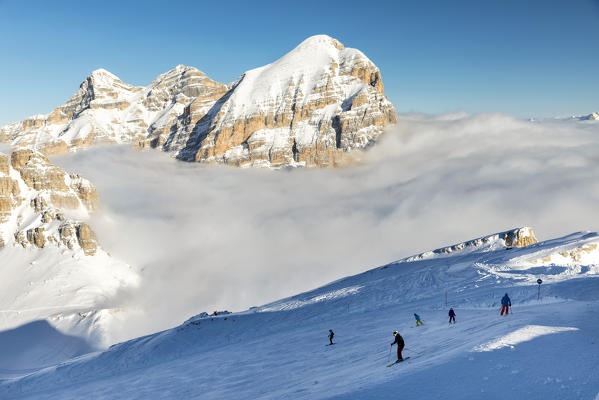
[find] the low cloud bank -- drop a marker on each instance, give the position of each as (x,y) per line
(208,238)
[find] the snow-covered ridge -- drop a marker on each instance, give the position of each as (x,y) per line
(589,117)
(518,237)
(309,108)
(248,352)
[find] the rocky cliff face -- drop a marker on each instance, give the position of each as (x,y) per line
(34,196)
(52,266)
(309,108)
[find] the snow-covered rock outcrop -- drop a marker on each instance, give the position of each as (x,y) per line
(34,195)
(519,237)
(309,108)
(53,267)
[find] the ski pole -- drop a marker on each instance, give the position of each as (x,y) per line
(389,356)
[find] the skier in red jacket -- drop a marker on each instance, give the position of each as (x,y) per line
(400,345)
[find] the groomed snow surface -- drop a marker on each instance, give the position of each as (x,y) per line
(545,349)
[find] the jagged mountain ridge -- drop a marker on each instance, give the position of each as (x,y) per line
(309,108)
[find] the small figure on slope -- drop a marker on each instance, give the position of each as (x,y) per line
(400,345)
(331,335)
(451,315)
(506,303)
(418,322)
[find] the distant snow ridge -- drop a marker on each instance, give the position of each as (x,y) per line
(589,117)
(309,108)
(518,237)
(52,265)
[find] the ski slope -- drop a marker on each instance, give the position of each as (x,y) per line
(545,349)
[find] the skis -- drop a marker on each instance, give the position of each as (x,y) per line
(398,361)
(330,344)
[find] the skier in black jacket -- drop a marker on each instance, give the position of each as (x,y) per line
(451,315)
(400,345)
(331,334)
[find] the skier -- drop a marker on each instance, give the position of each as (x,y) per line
(418,319)
(331,334)
(506,303)
(451,315)
(400,345)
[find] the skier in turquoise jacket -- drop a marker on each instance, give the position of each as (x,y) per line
(418,322)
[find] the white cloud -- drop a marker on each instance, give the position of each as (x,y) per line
(222,238)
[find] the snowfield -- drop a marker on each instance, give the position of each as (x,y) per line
(544,349)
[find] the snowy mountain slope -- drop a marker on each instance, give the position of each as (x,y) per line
(52,266)
(543,349)
(37,344)
(310,107)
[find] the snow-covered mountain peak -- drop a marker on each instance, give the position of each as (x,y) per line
(177,71)
(103,77)
(308,108)
(304,66)
(320,41)
(180,68)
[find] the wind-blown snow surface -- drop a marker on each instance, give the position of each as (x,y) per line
(543,350)
(221,238)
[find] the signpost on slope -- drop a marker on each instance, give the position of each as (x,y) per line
(539,281)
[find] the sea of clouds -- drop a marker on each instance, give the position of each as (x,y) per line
(207,238)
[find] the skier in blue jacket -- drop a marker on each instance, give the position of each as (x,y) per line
(506,303)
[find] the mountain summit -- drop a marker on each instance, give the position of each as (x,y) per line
(309,108)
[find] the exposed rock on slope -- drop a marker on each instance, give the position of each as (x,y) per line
(52,265)
(33,197)
(519,237)
(309,108)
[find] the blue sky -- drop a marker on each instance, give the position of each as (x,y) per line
(526,58)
